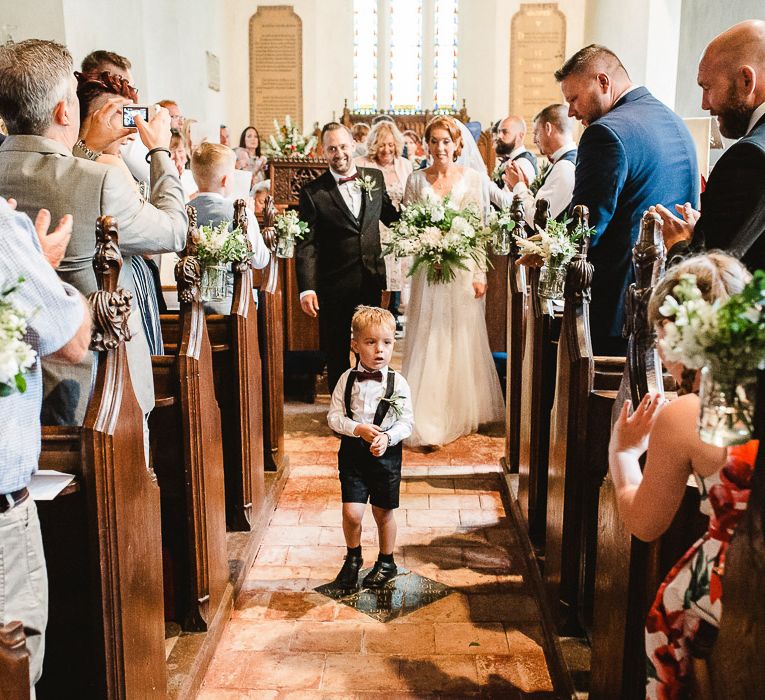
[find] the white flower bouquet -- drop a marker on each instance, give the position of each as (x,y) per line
(217,248)
(727,341)
(289,228)
(16,356)
(440,237)
(288,142)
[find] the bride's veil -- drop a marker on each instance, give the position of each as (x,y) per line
(471,158)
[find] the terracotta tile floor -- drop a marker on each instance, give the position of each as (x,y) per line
(483,640)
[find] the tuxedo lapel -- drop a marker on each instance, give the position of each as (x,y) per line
(337,198)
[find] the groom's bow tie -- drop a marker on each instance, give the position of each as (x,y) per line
(350,178)
(362,375)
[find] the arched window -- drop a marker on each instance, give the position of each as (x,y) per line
(405,54)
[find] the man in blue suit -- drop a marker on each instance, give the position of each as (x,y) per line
(634,153)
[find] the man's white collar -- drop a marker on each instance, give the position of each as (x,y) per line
(565,148)
(756,116)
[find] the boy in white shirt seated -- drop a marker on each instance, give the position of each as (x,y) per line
(371,408)
(213,166)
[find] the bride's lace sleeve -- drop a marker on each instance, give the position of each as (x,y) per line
(412,189)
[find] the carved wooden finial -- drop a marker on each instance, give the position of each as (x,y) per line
(188,271)
(648,255)
(269,215)
(110,305)
(241,222)
(579,276)
(541,213)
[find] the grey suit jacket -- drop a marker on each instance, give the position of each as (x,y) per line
(40,172)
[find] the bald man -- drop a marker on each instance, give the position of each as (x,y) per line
(732,218)
(509,147)
(634,152)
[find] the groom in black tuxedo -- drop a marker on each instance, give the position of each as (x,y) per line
(339,262)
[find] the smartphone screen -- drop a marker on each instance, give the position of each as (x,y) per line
(129,112)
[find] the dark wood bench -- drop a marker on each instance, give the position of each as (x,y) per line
(621,574)
(538,369)
(102,540)
(185,429)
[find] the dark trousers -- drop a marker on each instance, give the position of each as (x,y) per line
(335,314)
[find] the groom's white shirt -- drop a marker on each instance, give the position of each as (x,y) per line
(351,194)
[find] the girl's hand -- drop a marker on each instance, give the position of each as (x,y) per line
(479,289)
(630,433)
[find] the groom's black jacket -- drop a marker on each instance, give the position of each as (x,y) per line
(339,249)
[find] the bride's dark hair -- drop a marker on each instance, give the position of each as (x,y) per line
(446,123)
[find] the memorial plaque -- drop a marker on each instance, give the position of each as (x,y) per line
(276,67)
(537,50)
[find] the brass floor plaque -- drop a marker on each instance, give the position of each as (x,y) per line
(404,594)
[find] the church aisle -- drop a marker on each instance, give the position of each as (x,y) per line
(482,640)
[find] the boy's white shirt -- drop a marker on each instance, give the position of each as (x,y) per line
(261,254)
(365,397)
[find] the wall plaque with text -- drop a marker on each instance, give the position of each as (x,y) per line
(537,50)
(276,67)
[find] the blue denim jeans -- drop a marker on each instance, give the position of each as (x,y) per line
(24,579)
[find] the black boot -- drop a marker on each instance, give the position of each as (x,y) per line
(349,574)
(381,573)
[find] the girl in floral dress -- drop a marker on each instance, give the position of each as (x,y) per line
(691,595)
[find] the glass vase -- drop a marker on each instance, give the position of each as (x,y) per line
(552,280)
(285,247)
(501,243)
(727,398)
(214,282)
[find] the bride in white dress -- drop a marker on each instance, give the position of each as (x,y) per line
(447,360)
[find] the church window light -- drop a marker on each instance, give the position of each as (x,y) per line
(365,53)
(446,16)
(405,50)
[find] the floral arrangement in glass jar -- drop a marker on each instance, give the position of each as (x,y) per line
(556,246)
(288,142)
(289,229)
(501,224)
(440,237)
(726,340)
(218,247)
(16,355)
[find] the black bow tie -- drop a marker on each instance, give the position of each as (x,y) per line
(362,375)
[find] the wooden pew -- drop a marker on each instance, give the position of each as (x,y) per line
(516,324)
(627,572)
(187,453)
(538,380)
(736,667)
(271,327)
(105,635)
(14,662)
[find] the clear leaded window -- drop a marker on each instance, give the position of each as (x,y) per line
(445,48)
(405,51)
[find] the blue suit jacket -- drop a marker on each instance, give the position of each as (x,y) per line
(637,155)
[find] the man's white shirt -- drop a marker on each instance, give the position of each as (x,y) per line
(558,188)
(365,397)
(758,114)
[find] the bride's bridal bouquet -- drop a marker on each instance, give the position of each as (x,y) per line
(288,142)
(440,237)
(16,356)
(726,340)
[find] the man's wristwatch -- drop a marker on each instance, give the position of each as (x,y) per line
(87,152)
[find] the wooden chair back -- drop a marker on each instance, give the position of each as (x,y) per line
(14,661)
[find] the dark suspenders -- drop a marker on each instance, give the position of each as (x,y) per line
(382,407)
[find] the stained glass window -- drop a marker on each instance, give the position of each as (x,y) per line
(445,49)
(405,54)
(365,54)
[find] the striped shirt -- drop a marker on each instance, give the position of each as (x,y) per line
(146,298)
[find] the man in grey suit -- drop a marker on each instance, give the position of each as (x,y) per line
(39,105)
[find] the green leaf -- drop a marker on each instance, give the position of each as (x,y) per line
(21,383)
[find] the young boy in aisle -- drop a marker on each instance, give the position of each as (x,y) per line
(371,409)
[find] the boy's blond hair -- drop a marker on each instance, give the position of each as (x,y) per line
(366,316)
(209,163)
